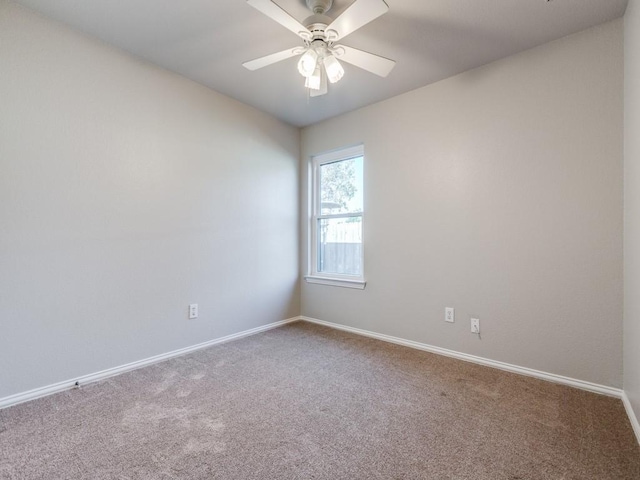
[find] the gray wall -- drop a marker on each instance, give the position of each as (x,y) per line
(497,192)
(126,193)
(632,206)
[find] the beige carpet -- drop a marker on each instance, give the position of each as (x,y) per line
(306,402)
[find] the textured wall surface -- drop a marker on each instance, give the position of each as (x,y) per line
(498,192)
(632,206)
(126,193)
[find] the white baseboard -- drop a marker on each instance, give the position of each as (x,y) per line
(632,415)
(93,377)
(110,372)
(551,377)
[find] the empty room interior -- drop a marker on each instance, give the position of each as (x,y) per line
(348,239)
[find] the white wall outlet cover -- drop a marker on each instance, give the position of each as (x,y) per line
(449,315)
(475,325)
(193,310)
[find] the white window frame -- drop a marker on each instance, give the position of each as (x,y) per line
(338,280)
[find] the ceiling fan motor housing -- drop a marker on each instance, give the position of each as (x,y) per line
(317,25)
(319,6)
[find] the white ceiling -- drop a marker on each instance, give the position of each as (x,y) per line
(208,40)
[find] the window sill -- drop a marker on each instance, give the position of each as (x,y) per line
(336,282)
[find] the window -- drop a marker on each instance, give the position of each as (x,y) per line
(336,250)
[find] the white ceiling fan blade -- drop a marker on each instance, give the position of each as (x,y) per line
(357,15)
(273,58)
(367,61)
(276,13)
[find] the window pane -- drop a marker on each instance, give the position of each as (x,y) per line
(340,245)
(341,187)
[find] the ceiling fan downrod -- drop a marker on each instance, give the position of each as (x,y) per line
(319,6)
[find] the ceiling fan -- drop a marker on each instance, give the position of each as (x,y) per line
(320,34)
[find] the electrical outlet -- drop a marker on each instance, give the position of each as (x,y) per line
(449,315)
(475,325)
(193,310)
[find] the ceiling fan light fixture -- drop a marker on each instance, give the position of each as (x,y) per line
(333,67)
(314,81)
(318,62)
(308,63)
